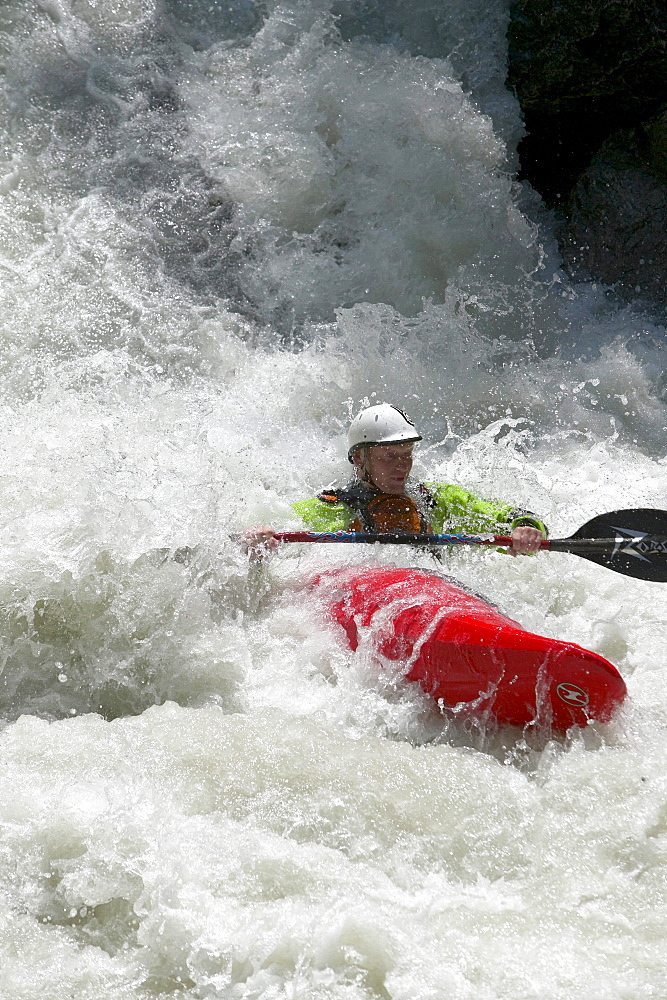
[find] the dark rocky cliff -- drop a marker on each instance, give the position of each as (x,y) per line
(591,76)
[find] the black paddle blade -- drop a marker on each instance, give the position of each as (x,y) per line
(632,542)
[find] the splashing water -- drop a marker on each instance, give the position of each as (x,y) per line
(223,228)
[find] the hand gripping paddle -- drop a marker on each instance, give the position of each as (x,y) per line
(632,542)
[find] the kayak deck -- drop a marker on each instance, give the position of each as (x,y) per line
(469,656)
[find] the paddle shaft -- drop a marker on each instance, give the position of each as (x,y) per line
(576,545)
(630,542)
(387,538)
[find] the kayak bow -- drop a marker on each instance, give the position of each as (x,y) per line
(467,655)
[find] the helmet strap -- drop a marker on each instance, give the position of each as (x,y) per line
(361,470)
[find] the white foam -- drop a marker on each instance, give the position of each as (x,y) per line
(213,250)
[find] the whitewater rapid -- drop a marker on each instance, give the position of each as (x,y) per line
(223,229)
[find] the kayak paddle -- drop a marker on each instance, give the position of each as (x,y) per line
(632,542)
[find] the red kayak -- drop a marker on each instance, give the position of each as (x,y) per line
(469,656)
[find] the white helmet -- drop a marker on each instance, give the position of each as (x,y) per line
(380,424)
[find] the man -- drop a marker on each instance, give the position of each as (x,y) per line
(382,497)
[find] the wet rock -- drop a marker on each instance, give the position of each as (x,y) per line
(582,70)
(617,226)
(591,77)
(657,146)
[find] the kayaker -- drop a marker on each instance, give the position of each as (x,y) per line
(382,497)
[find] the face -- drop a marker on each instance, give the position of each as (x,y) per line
(386,465)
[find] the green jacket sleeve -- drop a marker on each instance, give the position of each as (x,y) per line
(320,516)
(460,512)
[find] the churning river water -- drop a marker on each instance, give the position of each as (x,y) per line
(224,227)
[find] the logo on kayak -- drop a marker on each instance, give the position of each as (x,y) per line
(572,695)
